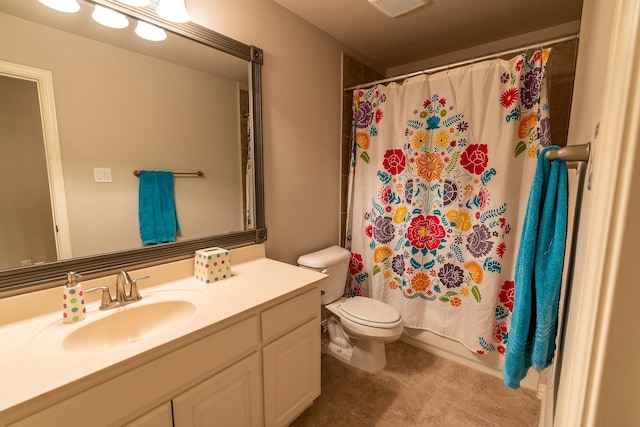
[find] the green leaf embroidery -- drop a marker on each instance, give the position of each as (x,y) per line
(376,270)
(454,161)
(364,156)
(520,148)
(476,293)
(493,213)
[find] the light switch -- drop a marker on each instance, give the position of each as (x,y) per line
(102,174)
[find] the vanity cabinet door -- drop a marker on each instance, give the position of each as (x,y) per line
(230,398)
(291,366)
(158,417)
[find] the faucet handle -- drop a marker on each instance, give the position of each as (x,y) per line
(106,300)
(134,295)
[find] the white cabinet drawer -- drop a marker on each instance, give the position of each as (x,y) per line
(147,386)
(289,314)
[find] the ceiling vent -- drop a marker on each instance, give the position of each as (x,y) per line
(394,8)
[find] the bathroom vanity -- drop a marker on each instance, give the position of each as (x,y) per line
(244,351)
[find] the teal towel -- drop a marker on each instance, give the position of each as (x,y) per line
(538,275)
(156,208)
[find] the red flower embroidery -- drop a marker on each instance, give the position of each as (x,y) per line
(506,294)
(500,331)
(426,103)
(475,158)
(394,161)
(501,349)
(443,102)
(509,97)
(379,115)
(425,232)
(369,230)
(356,265)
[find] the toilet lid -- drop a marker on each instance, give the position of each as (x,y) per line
(369,311)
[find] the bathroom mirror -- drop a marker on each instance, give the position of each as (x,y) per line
(101,134)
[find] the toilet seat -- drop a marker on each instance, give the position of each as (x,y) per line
(370,312)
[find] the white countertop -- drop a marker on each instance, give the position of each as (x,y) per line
(33,362)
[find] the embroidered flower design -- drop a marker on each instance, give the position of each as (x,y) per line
(478,242)
(433,122)
(364,115)
(430,166)
(383,229)
(500,332)
(450,192)
(506,295)
(451,275)
(459,219)
(400,215)
(475,158)
(545,132)
(419,140)
(408,191)
(397,264)
(379,115)
(394,161)
(509,97)
(531,85)
(455,301)
(425,232)
(527,123)
(442,139)
(356,265)
(420,282)
(362,140)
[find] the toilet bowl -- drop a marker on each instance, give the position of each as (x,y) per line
(358,327)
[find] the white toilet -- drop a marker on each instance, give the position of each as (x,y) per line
(358,327)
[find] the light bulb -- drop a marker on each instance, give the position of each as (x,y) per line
(173,10)
(150,32)
(138,3)
(67,6)
(109,18)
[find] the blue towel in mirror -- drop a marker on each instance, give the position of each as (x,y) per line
(157,208)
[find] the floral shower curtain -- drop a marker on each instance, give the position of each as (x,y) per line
(441,168)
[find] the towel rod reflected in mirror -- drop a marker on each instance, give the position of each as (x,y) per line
(198,173)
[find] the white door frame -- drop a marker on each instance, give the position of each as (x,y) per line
(44,82)
(601,236)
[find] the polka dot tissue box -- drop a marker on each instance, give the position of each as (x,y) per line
(212,265)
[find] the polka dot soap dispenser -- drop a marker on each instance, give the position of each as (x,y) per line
(73,309)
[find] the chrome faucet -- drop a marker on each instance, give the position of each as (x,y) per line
(122,296)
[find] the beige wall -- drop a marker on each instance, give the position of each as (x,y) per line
(121,110)
(302,96)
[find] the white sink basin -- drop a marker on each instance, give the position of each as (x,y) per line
(127,325)
(158,313)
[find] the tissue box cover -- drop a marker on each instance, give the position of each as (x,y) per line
(212,264)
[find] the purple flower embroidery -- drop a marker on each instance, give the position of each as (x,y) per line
(450,192)
(408,190)
(397,264)
(451,275)
(478,242)
(364,115)
(532,82)
(545,132)
(383,229)
(504,78)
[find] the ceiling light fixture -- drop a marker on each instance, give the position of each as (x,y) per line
(394,8)
(150,32)
(109,17)
(67,6)
(173,10)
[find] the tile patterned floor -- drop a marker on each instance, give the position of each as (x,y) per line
(416,389)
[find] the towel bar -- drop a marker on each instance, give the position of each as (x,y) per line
(571,153)
(198,173)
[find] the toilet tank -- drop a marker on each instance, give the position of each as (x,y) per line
(333,261)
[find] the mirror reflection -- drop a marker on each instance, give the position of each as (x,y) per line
(123,104)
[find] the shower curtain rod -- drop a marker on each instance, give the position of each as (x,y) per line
(466,62)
